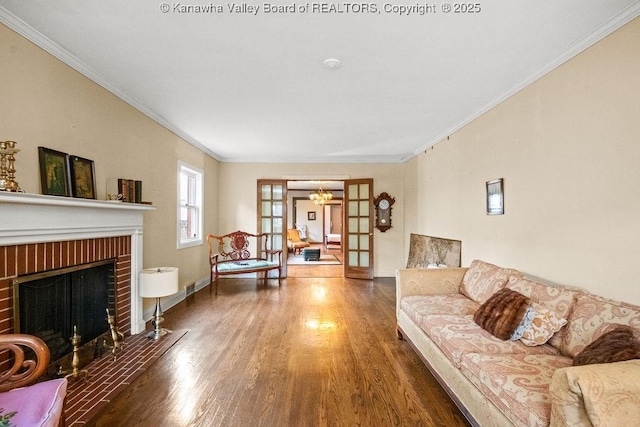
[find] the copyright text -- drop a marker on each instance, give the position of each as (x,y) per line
(243,8)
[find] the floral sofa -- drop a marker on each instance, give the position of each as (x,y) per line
(528,379)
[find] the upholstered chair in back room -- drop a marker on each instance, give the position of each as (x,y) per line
(294,242)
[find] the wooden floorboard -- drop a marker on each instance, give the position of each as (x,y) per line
(312,352)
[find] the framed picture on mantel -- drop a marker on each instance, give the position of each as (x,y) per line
(55,178)
(82,178)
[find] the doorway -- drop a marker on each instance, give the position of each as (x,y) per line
(277,213)
(314,223)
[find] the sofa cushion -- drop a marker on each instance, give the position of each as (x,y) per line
(483,280)
(518,384)
(558,299)
(417,306)
(502,313)
(457,335)
(617,345)
(544,325)
(593,316)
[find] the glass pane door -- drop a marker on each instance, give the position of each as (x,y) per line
(272,206)
(358,262)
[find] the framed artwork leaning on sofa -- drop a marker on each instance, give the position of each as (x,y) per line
(428,251)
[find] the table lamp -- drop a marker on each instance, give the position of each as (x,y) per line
(156,283)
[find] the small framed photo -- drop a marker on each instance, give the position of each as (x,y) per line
(83,182)
(55,178)
(495,197)
(311,216)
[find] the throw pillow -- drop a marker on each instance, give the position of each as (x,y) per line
(591,317)
(502,313)
(617,345)
(545,323)
(483,279)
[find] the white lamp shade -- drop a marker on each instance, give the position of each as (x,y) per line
(159,282)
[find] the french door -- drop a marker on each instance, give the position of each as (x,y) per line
(358,231)
(272,213)
(358,223)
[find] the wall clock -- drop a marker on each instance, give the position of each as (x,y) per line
(383,205)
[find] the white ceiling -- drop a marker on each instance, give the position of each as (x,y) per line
(246,87)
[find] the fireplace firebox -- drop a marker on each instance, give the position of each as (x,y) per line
(50,304)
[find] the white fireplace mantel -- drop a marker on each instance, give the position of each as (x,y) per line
(33,218)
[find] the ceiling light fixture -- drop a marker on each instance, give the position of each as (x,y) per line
(332,64)
(320,197)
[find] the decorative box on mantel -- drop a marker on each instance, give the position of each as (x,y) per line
(40,233)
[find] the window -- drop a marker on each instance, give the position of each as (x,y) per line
(189,206)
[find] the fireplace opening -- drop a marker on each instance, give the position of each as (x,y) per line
(50,304)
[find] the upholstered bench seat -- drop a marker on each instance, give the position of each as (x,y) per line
(228,266)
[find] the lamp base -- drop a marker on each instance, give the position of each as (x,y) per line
(157,320)
(156,334)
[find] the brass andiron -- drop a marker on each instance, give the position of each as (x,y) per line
(75,360)
(7,167)
(116,336)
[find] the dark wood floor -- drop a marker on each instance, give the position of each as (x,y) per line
(314,352)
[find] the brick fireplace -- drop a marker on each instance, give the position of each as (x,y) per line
(41,233)
(25,259)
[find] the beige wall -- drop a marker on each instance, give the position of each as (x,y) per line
(314,228)
(238,199)
(304,206)
(568,148)
(46,103)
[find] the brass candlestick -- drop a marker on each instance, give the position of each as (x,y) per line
(116,336)
(7,166)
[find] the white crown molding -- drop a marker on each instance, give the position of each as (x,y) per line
(57,51)
(622,18)
(34,36)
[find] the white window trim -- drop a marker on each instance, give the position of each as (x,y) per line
(199,174)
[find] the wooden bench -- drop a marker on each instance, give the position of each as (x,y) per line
(229,254)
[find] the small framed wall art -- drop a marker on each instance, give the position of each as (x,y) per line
(82,178)
(311,215)
(495,197)
(55,178)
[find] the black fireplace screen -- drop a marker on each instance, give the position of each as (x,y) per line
(50,305)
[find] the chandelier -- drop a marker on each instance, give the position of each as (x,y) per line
(320,197)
